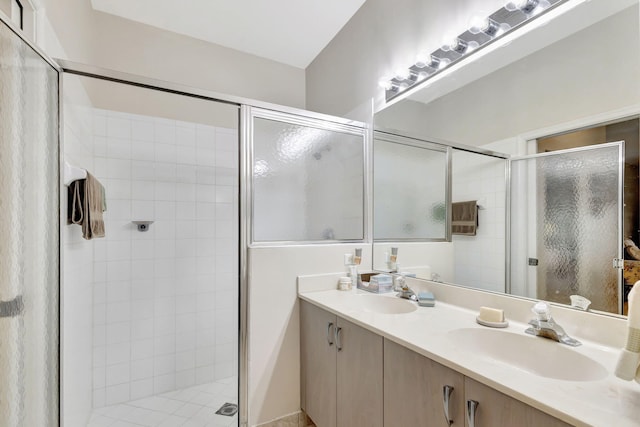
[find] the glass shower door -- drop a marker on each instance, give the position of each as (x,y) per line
(566,225)
(29,235)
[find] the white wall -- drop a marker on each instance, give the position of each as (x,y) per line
(165,300)
(108,41)
(274,326)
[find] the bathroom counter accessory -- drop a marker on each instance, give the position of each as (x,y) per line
(492,318)
(482,322)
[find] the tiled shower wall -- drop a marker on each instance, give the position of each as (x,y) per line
(165,301)
(77,276)
(479,259)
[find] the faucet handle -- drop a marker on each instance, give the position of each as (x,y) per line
(542,311)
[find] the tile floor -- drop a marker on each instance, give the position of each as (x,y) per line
(190,407)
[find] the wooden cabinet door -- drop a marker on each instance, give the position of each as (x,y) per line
(359,381)
(496,409)
(318,364)
(413,390)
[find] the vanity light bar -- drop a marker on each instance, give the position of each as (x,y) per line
(482,31)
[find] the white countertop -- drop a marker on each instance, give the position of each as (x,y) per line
(606,402)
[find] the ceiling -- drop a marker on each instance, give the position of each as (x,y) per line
(293,32)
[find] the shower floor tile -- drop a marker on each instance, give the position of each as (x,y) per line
(189,407)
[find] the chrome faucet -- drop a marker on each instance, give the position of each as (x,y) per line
(404,291)
(544,326)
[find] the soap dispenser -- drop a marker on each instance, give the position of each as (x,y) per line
(352,262)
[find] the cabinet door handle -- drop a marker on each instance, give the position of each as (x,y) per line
(329,327)
(339,339)
(446,402)
(472,408)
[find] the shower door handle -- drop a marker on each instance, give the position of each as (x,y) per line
(11,308)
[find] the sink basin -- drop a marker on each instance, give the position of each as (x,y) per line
(537,355)
(382,305)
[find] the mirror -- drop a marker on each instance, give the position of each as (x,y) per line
(578,71)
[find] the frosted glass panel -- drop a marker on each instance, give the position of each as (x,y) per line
(409,191)
(29,230)
(308,183)
(565,214)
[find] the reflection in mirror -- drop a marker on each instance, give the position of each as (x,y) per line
(565,221)
(577,72)
(410,181)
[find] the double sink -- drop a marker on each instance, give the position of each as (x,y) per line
(534,355)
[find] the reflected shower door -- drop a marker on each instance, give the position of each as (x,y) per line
(566,225)
(29,236)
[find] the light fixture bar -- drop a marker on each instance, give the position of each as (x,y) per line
(482,31)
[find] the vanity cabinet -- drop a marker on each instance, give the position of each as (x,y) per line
(341,370)
(415,387)
(498,409)
(346,371)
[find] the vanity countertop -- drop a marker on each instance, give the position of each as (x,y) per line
(606,402)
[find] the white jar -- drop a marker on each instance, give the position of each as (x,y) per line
(344,284)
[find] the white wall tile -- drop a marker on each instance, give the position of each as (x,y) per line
(141,369)
(144,151)
(142,350)
(141,388)
(185,136)
(186,173)
(118,128)
(117,394)
(118,332)
(118,353)
(118,374)
(142,329)
(142,130)
(164,383)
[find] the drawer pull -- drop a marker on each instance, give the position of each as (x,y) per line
(339,339)
(329,334)
(472,408)
(447,390)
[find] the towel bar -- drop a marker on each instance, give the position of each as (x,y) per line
(73,173)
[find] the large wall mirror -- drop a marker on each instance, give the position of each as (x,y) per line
(545,125)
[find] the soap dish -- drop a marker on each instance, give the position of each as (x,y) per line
(492,324)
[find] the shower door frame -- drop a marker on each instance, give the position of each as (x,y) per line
(244,104)
(531,232)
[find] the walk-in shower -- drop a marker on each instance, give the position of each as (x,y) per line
(162,304)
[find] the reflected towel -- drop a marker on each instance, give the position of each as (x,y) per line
(85,206)
(464,218)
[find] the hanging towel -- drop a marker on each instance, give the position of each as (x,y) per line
(464,218)
(86,203)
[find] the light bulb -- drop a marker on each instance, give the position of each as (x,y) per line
(478,24)
(403,73)
(423,75)
(385,84)
(528,7)
(483,24)
(443,63)
(423,59)
(449,42)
